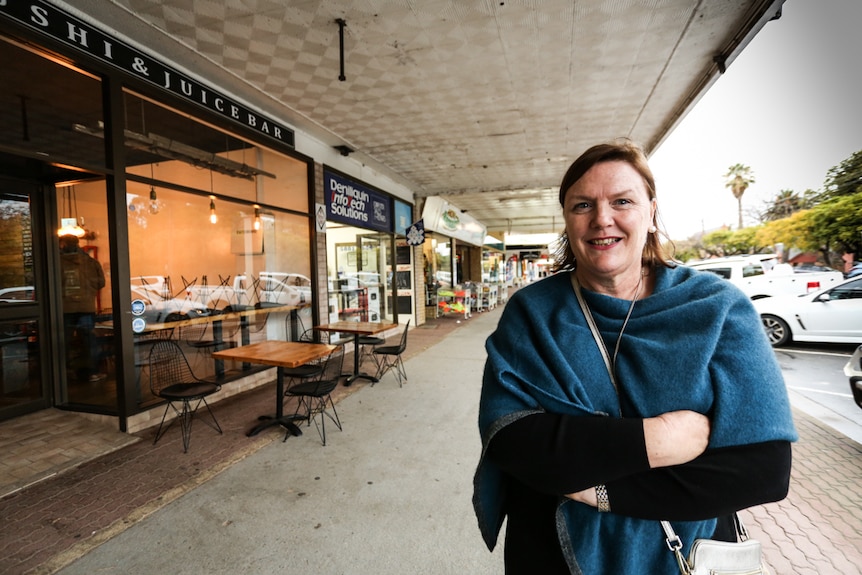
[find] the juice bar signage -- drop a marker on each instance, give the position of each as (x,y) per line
(354,204)
(61,26)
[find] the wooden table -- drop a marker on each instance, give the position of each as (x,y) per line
(357,328)
(279,354)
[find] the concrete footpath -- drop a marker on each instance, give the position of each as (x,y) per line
(388,495)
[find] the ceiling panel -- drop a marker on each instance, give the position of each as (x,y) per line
(483,102)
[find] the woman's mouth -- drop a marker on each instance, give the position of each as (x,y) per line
(604,241)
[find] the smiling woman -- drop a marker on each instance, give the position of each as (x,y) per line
(618,386)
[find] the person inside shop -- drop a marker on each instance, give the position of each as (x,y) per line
(693,424)
(82,278)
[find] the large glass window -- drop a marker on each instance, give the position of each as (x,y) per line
(215,259)
(20,373)
(42,104)
(85,294)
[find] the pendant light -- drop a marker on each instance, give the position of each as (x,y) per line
(154,200)
(213,217)
(69,222)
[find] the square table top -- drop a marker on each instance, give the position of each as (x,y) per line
(359,327)
(276,352)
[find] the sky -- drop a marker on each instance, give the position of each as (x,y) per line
(789,107)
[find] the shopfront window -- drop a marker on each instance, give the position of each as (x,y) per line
(20,373)
(85,292)
(44,104)
(211,263)
(360,274)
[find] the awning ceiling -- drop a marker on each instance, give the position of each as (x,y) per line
(481,102)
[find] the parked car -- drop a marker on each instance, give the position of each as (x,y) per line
(158,301)
(853,370)
(832,315)
(17,294)
(762,275)
(284,288)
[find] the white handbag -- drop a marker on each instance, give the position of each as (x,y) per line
(710,557)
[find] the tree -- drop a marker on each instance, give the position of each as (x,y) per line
(738,178)
(785,203)
(732,242)
(845,179)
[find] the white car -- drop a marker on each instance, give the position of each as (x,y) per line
(853,370)
(284,288)
(23,294)
(832,315)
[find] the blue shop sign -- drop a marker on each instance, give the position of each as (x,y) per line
(354,204)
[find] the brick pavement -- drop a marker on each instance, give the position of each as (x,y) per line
(817,529)
(45,526)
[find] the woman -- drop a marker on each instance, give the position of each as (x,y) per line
(694,425)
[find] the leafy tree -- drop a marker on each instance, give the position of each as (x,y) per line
(732,242)
(844,179)
(792,231)
(785,203)
(738,178)
(837,223)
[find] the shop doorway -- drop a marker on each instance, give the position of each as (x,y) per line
(23,353)
(375,271)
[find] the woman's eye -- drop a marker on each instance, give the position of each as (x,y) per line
(580,207)
(623,202)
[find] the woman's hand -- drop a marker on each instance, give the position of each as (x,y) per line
(672,438)
(675,437)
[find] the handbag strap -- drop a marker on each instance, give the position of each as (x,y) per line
(593,328)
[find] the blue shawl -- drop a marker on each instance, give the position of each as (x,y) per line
(695,343)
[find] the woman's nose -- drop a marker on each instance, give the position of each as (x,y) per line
(602,216)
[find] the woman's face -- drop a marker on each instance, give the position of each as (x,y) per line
(608,213)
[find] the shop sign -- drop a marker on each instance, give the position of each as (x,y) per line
(59,25)
(442,217)
(354,204)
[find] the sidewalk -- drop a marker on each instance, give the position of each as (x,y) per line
(389,494)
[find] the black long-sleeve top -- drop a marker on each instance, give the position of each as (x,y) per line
(548,455)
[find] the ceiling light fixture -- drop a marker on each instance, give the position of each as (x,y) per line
(174,150)
(69,222)
(213,217)
(154,200)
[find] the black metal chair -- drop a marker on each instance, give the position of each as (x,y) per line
(389,357)
(367,345)
(313,395)
(305,371)
(172,379)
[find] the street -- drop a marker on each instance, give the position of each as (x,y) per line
(817,385)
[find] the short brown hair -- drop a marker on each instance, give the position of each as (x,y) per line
(622,150)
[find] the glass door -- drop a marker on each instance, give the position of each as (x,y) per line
(22,375)
(375,272)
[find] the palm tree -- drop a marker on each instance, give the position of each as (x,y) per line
(739,177)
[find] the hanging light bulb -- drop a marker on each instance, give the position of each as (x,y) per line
(154,201)
(69,225)
(213,217)
(256,217)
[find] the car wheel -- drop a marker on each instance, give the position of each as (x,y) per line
(777,330)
